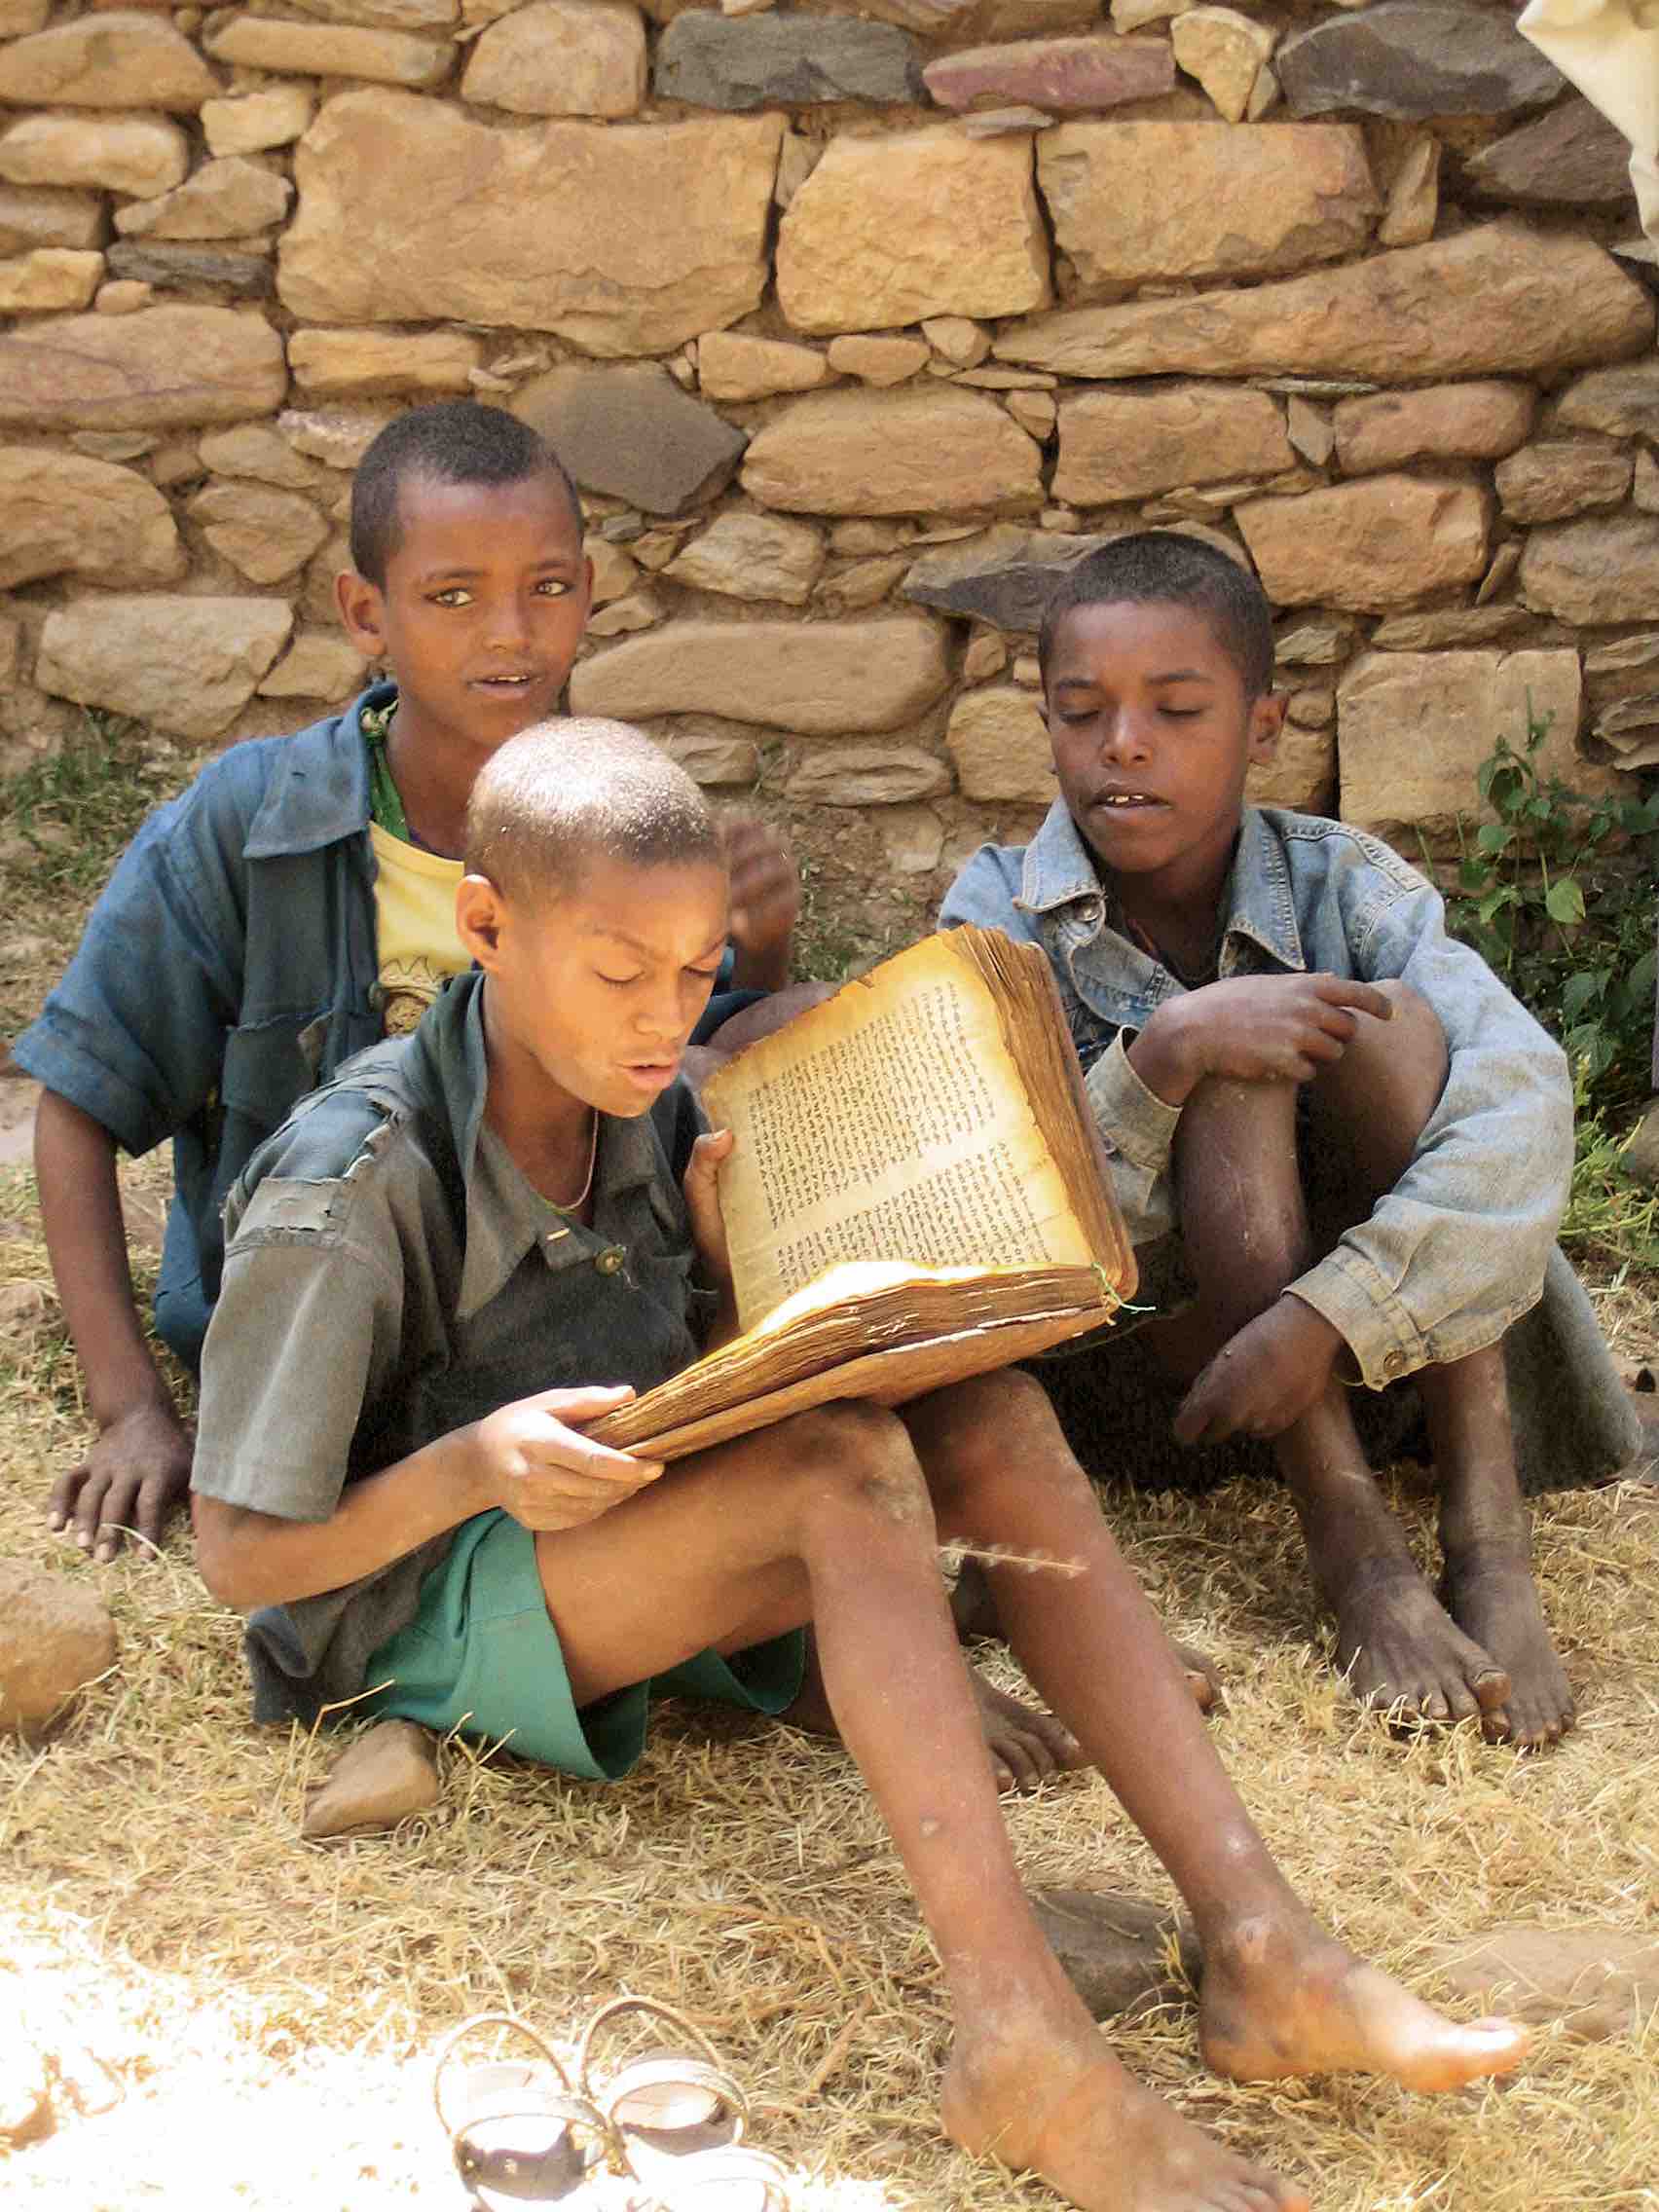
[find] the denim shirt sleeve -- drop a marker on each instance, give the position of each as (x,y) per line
(135,1032)
(1457,1251)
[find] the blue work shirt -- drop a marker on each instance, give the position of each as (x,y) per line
(228,967)
(231,966)
(1458,1250)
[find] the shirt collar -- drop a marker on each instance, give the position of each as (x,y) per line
(505,1215)
(320,793)
(1060,870)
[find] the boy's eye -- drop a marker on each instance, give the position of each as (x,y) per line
(621,982)
(453,595)
(553,587)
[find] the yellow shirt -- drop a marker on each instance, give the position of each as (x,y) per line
(420,946)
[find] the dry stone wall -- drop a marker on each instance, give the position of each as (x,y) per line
(857,324)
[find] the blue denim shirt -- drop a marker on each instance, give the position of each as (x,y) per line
(228,967)
(1457,1251)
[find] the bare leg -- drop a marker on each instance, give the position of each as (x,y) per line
(975,1612)
(829,1515)
(1487,1545)
(1246,1225)
(1027,1746)
(1280,1996)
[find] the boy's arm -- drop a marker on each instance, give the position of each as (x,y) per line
(526,1458)
(1455,1252)
(765,900)
(138,1470)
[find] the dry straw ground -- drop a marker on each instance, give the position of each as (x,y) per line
(256,2016)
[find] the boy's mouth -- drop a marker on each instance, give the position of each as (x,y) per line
(1123,802)
(506,687)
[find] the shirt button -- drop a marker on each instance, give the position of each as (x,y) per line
(1395,1364)
(611,1260)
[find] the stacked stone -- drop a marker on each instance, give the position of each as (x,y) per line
(856,328)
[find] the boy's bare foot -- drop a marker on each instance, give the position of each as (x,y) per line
(1282,1997)
(1400,1650)
(1027,1745)
(1069,2112)
(1488,1591)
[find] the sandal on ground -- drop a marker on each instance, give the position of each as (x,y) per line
(515,2137)
(679,2117)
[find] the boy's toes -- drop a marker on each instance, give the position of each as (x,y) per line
(1201,1678)
(1027,1746)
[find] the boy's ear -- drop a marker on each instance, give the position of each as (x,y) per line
(1266,719)
(478,916)
(363,612)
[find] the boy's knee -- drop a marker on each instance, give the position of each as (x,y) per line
(857,1456)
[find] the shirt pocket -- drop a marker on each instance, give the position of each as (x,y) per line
(266,1068)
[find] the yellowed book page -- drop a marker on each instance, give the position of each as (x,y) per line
(888,1124)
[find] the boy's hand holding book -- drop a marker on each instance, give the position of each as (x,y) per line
(533,1460)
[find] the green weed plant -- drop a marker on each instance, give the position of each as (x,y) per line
(1557,893)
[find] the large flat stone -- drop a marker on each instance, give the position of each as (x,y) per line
(732,365)
(509,236)
(63,515)
(48,280)
(227,198)
(124,60)
(1622,402)
(249,275)
(186,666)
(1134,202)
(1498,299)
(1598,1982)
(1116,1950)
(1062,76)
(140,155)
(388,15)
(561,58)
(634,433)
(274,116)
(361,364)
(1587,572)
(1561,476)
(852,453)
(31,218)
(999,743)
(1449,421)
(819,679)
(55,1635)
(265,534)
(752,61)
(1005,577)
(328,50)
(744,556)
(1412,729)
(1414,58)
(1572,156)
(163,366)
(865,775)
(888,230)
(382,1778)
(1117,445)
(1367,546)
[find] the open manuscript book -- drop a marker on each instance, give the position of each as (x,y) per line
(917,1193)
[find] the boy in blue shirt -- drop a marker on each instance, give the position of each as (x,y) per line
(473,1244)
(1362,1139)
(243,947)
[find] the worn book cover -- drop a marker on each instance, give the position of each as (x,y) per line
(917,1193)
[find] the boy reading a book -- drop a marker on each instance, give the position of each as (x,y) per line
(474,1243)
(297,902)
(1363,1140)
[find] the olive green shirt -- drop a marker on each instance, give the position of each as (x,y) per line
(390,1276)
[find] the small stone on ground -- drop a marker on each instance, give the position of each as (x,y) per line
(1598,1982)
(55,1635)
(1119,1952)
(382,1779)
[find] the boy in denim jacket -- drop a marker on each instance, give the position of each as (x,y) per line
(1362,1139)
(240,951)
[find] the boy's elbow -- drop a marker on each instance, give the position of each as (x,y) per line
(222,1553)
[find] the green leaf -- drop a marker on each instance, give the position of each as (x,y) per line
(1580,990)
(1564,902)
(1493,837)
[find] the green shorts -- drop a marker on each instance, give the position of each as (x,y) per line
(483,1656)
